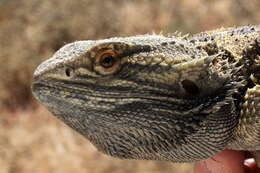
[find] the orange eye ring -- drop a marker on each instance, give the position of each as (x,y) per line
(107,62)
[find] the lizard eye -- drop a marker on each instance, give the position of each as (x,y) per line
(107,62)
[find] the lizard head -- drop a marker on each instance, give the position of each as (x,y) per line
(143,97)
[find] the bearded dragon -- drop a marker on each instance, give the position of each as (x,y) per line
(154,97)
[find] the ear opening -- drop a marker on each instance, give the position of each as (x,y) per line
(190,87)
(202,76)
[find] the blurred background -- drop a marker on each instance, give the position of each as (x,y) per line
(31,139)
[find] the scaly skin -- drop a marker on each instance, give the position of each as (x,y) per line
(157,97)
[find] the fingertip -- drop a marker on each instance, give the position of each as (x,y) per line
(227,161)
(251,166)
(200,167)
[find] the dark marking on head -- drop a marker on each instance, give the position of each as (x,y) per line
(137,49)
(164,43)
(190,87)
(192,41)
(199,47)
(172,42)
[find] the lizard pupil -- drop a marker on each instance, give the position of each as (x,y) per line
(107,60)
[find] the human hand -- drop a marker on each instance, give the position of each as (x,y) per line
(227,161)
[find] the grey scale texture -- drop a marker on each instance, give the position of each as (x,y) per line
(171,98)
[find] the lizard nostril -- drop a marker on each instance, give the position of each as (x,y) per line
(68,72)
(190,87)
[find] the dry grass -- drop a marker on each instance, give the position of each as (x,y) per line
(35,141)
(32,30)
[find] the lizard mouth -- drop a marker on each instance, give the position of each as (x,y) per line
(44,93)
(40,93)
(36,89)
(49,97)
(36,86)
(39,89)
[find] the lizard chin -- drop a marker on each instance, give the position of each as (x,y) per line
(129,130)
